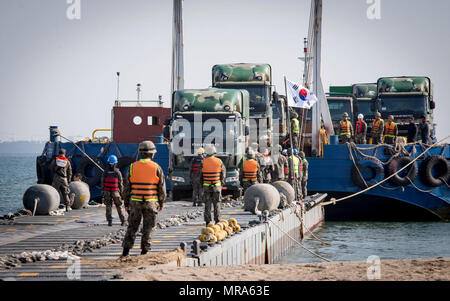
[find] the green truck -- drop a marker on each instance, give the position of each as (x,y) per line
(257,80)
(404,97)
(364,102)
(208,116)
(340,101)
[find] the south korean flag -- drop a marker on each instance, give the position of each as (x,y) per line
(299,96)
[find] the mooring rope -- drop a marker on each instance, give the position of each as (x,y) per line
(59,134)
(299,243)
(334,201)
(310,232)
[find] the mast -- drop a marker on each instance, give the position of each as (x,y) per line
(177,47)
(314,54)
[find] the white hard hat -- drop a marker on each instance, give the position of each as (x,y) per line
(210,149)
(360,116)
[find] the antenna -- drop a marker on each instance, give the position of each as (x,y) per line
(138,90)
(118,85)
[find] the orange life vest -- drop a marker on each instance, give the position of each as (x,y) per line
(144,180)
(376,126)
(250,170)
(211,170)
(389,130)
(61,161)
(345,128)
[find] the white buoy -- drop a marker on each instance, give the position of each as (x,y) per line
(81,192)
(41,199)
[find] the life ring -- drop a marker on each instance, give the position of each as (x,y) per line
(124,164)
(434,171)
(90,171)
(370,172)
(405,177)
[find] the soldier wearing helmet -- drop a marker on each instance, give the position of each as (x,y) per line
(295,130)
(194,174)
(250,170)
(281,167)
(377,129)
(112,186)
(360,130)
(304,180)
(345,129)
(62,176)
(145,194)
(213,178)
(390,130)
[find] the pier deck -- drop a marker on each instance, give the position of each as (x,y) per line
(261,243)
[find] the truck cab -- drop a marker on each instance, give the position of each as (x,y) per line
(364,102)
(208,116)
(404,97)
(257,80)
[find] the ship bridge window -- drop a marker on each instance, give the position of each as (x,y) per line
(152,120)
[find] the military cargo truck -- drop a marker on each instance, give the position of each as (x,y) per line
(257,80)
(404,97)
(364,98)
(208,116)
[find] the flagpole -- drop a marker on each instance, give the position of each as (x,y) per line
(291,157)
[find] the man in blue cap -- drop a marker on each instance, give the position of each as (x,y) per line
(112,185)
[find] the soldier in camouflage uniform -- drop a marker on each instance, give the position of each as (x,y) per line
(304,181)
(194,174)
(145,193)
(247,172)
(213,174)
(63,175)
(112,185)
(377,129)
(281,166)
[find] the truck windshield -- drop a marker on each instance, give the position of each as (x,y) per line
(259,97)
(365,108)
(338,107)
(415,105)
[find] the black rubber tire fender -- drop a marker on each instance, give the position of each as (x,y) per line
(438,164)
(84,164)
(374,167)
(397,164)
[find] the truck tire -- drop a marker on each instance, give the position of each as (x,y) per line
(371,171)
(406,176)
(434,171)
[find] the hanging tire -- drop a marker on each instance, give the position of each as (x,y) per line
(43,172)
(370,173)
(90,171)
(124,164)
(434,171)
(405,177)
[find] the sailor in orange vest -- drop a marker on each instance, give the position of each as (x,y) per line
(377,129)
(213,178)
(63,175)
(345,129)
(390,131)
(144,194)
(112,185)
(194,174)
(250,172)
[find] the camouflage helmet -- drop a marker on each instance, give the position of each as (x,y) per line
(377,114)
(345,114)
(301,154)
(391,117)
(294,115)
(147,147)
(250,154)
(210,149)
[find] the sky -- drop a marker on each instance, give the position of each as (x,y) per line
(57,71)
